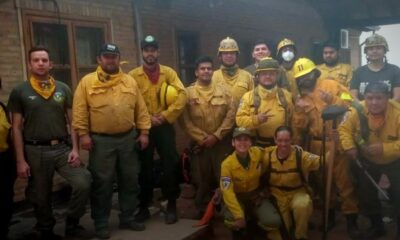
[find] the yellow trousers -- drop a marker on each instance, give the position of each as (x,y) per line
(296,206)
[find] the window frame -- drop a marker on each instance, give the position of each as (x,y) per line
(180,66)
(71,23)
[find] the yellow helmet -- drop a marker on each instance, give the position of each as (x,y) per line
(228,45)
(376,40)
(267,64)
(302,67)
(285,42)
(168,95)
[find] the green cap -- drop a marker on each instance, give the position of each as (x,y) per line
(241,131)
(267,64)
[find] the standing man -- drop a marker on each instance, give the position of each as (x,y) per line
(331,68)
(7,172)
(110,117)
(208,118)
(315,95)
(237,81)
(150,77)
(261,51)
(267,106)
(377,69)
(286,53)
(41,112)
(375,143)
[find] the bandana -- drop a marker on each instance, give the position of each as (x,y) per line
(230,71)
(107,80)
(44,88)
(153,74)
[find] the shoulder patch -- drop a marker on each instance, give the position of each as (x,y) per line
(225,182)
(313,157)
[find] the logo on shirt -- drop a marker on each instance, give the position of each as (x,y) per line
(58,97)
(225,182)
(32,97)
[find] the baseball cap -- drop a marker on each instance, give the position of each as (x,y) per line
(109,48)
(241,131)
(149,40)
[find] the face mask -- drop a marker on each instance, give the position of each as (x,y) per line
(288,56)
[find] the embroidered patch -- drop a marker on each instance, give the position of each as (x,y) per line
(58,97)
(225,182)
(313,157)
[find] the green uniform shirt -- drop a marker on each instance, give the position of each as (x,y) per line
(44,119)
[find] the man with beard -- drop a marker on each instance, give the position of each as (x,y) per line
(236,80)
(261,51)
(315,95)
(331,68)
(266,107)
(286,53)
(150,77)
(208,118)
(110,115)
(41,111)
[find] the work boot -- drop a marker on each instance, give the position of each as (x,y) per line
(171,215)
(142,215)
(49,235)
(103,233)
(352,227)
(74,230)
(377,229)
(133,225)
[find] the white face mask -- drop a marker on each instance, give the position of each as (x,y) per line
(288,55)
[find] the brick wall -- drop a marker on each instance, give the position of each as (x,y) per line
(118,12)
(245,21)
(213,20)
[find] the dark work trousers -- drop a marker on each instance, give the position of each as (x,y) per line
(7,180)
(162,139)
(367,192)
(44,161)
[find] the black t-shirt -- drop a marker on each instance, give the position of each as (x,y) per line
(389,74)
(44,119)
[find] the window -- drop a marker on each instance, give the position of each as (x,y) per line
(73,44)
(188,53)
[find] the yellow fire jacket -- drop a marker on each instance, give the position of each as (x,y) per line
(270,102)
(236,179)
(341,73)
(388,134)
(292,82)
(238,84)
(284,177)
(209,110)
(4,128)
(307,115)
(151,91)
(100,108)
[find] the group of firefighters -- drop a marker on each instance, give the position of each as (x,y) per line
(259,139)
